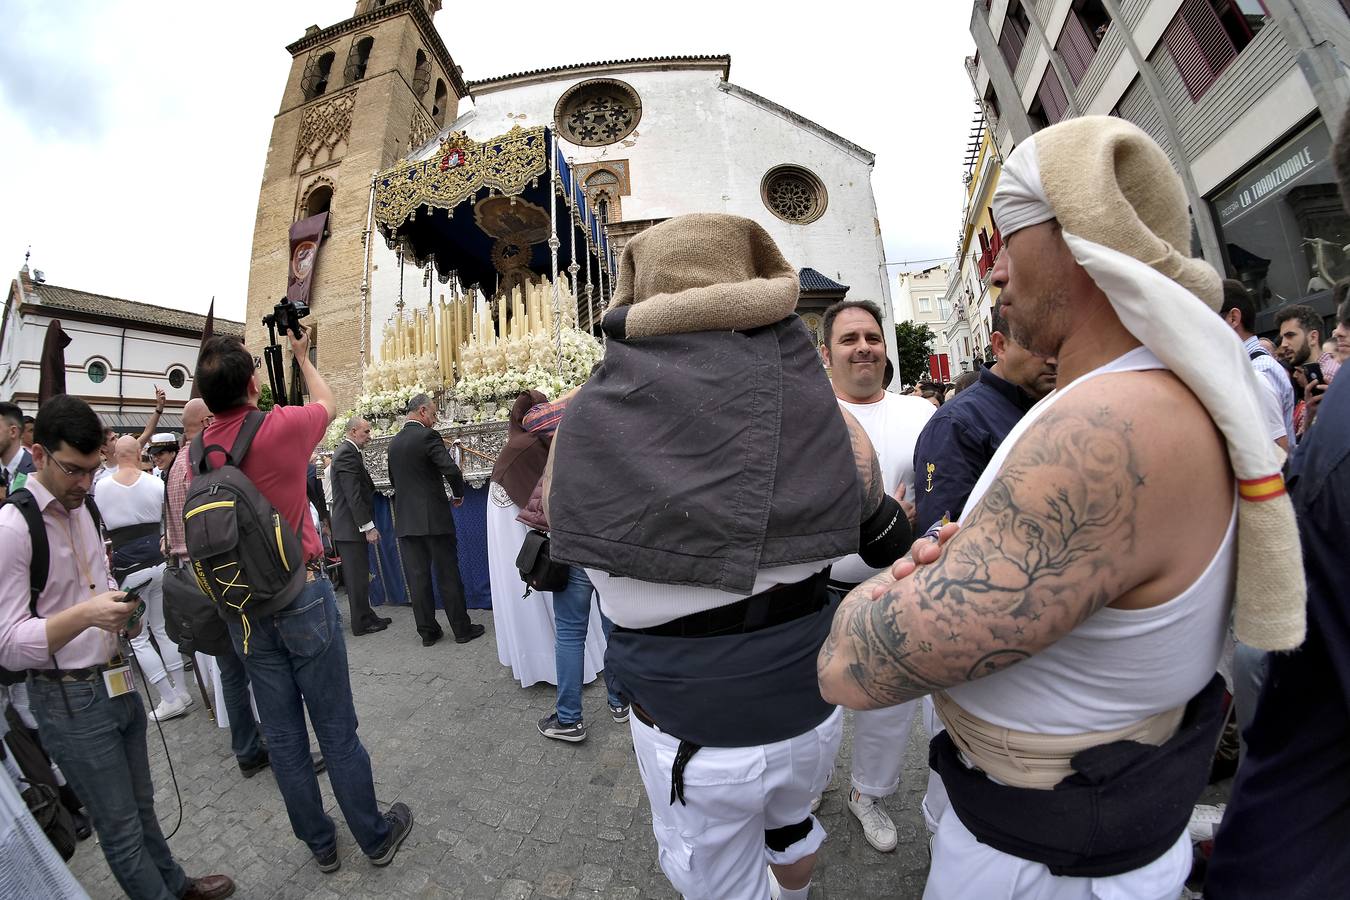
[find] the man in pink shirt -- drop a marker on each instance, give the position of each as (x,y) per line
(297,653)
(65,638)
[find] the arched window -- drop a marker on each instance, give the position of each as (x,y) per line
(601,186)
(320,199)
(357,59)
(438,108)
(316,75)
(421,75)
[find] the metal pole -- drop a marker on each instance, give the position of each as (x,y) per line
(553,245)
(365,270)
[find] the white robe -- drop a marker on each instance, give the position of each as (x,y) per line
(524,625)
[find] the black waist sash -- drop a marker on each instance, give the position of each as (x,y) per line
(727,690)
(135,547)
(1125,805)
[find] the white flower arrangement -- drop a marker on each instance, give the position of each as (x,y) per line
(495,376)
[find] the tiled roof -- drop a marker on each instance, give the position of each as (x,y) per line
(61,298)
(814,282)
(605,64)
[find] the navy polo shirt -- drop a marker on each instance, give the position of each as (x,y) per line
(1285,830)
(958,442)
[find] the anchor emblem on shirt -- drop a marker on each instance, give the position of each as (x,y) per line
(932,467)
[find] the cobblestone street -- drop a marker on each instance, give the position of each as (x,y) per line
(500,811)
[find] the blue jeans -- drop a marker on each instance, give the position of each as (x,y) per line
(297,661)
(1249,677)
(572,614)
(99,743)
(243,730)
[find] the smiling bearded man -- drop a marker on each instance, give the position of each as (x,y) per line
(1070,631)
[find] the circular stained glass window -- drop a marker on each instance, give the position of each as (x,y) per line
(177,378)
(596,113)
(97,372)
(793,194)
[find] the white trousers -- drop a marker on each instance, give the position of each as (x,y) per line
(880,741)
(963,868)
(712,846)
(151,663)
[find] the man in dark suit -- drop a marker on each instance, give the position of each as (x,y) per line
(419,466)
(353,524)
(15,459)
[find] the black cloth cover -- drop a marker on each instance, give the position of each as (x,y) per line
(702,458)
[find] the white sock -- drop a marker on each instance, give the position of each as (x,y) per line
(799,894)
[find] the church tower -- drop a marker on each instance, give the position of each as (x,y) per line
(361,94)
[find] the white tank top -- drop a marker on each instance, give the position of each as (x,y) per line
(1121,665)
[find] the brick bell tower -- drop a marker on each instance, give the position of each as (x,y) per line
(360,95)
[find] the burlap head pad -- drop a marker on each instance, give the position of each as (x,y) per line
(701,272)
(1111,184)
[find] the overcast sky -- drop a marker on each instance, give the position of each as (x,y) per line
(132,134)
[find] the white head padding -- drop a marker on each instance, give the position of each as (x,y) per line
(1123,214)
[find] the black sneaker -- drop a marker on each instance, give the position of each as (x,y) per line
(249,769)
(400,820)
(620,713)
(550,727)
(329,861)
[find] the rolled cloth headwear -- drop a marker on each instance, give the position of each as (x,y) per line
(1124,215)
(701,272)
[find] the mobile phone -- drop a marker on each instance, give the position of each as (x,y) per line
(1313,372)
(133,595)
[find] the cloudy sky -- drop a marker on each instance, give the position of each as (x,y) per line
(132,134)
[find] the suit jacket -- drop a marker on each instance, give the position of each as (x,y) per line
(419,466)
(353,493)
(314,491)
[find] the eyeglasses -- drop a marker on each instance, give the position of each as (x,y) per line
(71,471)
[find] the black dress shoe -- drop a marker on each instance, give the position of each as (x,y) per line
(370,628)
(83,828)
(249,769)
(384,621)
(473,632)
(429,641)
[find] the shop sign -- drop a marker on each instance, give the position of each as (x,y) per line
(1289,163)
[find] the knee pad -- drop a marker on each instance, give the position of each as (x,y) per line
(886,535)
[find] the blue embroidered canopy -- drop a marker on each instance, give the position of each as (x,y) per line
(482,211)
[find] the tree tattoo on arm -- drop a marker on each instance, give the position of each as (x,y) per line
(1051,542)
(868,465)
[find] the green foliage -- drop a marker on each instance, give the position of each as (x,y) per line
(265,402)
(913,345)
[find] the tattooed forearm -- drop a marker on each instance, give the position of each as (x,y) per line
(1049,544)
(869,466)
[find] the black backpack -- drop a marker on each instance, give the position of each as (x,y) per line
(40,560)
(247,558)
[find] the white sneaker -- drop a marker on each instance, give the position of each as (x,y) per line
(1205,821)
(877,826)
(172,709)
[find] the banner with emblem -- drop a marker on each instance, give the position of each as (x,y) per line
(306,236)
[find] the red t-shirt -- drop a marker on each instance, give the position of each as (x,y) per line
(278,460)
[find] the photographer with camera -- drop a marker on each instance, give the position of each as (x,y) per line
(294,651)
(60,619)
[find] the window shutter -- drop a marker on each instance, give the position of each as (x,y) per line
(1054,102)
(1199,45)
(1076,47)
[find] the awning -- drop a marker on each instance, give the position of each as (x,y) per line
(135,422)
(481,211)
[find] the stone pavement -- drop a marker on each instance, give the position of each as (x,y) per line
(500,812)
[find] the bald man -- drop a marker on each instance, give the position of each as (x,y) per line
(131,502)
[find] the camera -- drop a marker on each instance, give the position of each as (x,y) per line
(286,316)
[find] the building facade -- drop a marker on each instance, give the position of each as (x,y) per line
(649,139)
(119,351)
(1245,96)
(922,298)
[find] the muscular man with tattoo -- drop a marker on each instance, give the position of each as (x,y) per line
(1070,630)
